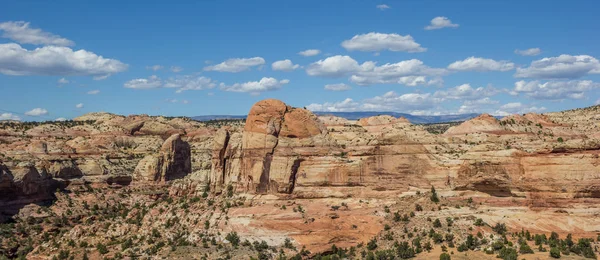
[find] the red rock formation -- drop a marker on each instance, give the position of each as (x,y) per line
(172,162)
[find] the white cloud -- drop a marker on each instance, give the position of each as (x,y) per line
(176,69)
(476,106)
(382,7)
(20,32)
(481,64)
(381,41)
(236,65)
(183,101)
(555,90)
(63,81)
(561,67)
(284,65)
(334,66)
(55,60)
(337,87)
(149,83)
(9,116)
(517,108)
(415,103)
(440,22)
(409,102)
(101,77)
(347,105)
(93,92)
(181,83)
(154,67)
(466,92)
(80,105)
(409,72)
(597,102)
(37,112)
(529,52)
(60,119)
(255,87)
(309,52)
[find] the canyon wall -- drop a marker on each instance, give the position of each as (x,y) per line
(286,150)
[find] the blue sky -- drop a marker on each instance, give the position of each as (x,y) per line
(66,58)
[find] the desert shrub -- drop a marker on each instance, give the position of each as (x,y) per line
(499,228)
(434,196)
(372,244)
(508,253)
(233,238)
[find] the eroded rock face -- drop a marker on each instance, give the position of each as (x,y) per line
(289,150)
(172,162)
(24,182)
(484,176)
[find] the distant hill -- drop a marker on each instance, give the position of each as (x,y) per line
(357,115)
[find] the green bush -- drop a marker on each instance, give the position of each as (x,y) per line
(508,253)
(233,238)
(445,256)
(372,244)
(555,252)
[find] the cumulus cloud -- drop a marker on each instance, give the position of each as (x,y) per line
(236,65)
(481,64)
(149,83)
(55,60)
(9,116)
(172,100)
(409,72)
(255,87)
(20,32)
(440,22)
(334,66)
(176,69)
(529,52)
(337,87)
(476,106)
(347,105)
(154,67)
(80,105)
(517,108)
(63,81)
(555,90)
(309,52)
(284,65)
(93,92)
(382,41)
(37,112)
(60,119)
(181,83)
(562,67)
(415,103)
(382,7)
(466,92)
